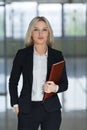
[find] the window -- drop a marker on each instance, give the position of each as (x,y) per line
(1,22)
(2,67)
(74,19)
(18,17)
(76,96)
(53,12)
(2,76)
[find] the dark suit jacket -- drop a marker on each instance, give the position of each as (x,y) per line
(23,64)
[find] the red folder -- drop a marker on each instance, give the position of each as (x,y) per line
(55,75)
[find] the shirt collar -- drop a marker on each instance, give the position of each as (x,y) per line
(46,54)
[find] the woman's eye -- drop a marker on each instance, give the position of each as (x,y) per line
(35,29)
(44,29)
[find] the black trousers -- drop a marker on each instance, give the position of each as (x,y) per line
(39,116)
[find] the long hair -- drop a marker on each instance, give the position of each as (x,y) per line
(28,37)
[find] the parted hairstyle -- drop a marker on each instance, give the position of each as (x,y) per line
(28,37)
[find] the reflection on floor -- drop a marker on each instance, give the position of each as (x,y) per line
(74,120)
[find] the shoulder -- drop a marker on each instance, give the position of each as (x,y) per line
(24,51)
(22,54)
(55,51)
(55,54)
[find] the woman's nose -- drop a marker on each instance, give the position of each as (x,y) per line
(40,32)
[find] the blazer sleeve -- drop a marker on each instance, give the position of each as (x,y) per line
(63,83)
(14,78)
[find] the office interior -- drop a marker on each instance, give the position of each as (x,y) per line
(68,19)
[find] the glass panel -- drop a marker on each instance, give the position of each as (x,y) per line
(3,104)
(8,21)
(2,76)
(1,22)
(74,19)
(53,12)
(2,69)
(76,96)
(9,67)
(1,30)
(1,2)
(18,17)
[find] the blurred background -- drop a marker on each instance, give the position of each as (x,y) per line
(68,19)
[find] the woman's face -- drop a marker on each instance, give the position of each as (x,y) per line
(40,33)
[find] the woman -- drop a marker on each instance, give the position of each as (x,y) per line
(34,63)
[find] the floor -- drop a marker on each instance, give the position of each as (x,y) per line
(74,120)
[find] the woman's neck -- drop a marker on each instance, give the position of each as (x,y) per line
(41,50)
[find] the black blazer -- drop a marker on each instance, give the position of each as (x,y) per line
(23,64)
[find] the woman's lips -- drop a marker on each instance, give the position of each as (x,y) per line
(40,38)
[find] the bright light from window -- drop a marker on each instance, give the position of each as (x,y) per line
(53,12)
(19,14)
(75,98)
(23,5)
(74,19)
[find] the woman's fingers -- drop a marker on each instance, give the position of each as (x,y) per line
(16,109)
(49,87)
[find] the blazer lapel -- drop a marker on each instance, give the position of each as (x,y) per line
(49,62)
(30,63)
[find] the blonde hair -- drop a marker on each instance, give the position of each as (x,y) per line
(28,37)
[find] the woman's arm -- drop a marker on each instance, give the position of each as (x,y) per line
(14,78)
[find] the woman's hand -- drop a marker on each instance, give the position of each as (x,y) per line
(50,86)
(16,109)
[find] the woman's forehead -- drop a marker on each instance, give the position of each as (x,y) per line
(40,23)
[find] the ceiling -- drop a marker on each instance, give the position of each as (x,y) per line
(49,1)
